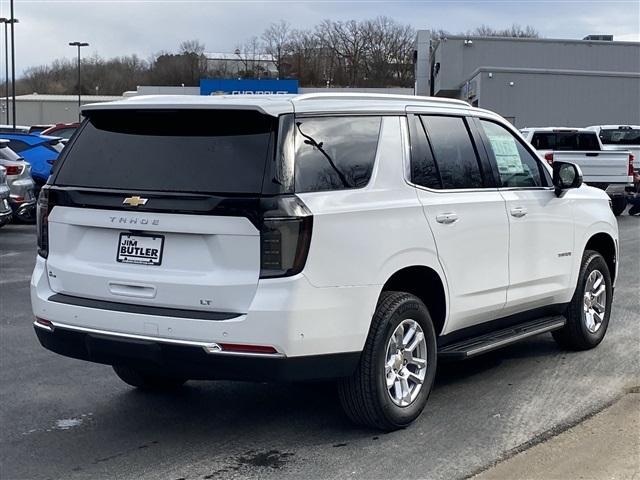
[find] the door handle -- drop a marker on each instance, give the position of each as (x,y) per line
(132,289)
(447,218)
(518,212)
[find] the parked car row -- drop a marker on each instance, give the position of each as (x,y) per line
(21,186)
(605,153)
(27,156)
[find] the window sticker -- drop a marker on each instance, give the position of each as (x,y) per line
(506,154)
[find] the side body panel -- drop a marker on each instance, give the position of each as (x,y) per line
(541,248)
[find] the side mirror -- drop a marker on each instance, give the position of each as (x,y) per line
(565,176)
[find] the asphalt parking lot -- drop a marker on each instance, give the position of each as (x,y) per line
(61,418)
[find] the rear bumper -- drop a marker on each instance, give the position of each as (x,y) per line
(25,211)
(189,360)
(614,189)
(303,323)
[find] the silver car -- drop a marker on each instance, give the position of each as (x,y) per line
(5,208)
(18,174)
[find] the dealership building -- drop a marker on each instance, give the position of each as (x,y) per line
(535,82)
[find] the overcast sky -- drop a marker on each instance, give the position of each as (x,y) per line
(125,27)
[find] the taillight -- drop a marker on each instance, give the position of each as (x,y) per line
(631,159)
(285,236)
(43,210)
(14,169)
(549,158)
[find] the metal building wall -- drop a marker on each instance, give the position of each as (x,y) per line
(562,100)
(49,109)
(43,112)
(458,60)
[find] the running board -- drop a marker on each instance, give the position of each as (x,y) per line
(500,338)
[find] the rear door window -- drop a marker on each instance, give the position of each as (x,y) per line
(335,153)
(202,151)
(454,152)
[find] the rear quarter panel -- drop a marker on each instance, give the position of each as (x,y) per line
(363,236)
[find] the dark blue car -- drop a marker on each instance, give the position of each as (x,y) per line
(40,151)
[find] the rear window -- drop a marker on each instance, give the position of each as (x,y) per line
(64,132)
(200,151)
(565,141)
(335,153)
(18,145)
(620,136)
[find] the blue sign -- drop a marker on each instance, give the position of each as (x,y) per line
(247,87)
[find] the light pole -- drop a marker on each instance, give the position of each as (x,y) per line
(6,22)
(79,45)
(13,66)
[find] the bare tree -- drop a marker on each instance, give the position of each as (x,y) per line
(389,52)
(348,42)
(513,31)
(191,47)
(277,40)
(249,55)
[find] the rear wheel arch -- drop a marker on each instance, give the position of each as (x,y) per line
(426,284)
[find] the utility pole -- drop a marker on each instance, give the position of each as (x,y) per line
(79,45)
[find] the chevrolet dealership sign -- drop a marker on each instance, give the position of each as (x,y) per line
(247,87)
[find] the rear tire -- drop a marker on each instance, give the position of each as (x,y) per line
(588,312)
(618,205)
(146,380)
(397,368)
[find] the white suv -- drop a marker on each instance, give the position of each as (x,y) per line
(357,237)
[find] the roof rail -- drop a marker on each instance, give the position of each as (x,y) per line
(377,96)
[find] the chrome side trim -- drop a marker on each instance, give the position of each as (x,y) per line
(515,189)
(42,326)
(209,347)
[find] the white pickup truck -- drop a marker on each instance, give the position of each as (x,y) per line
(609,170)
(619,137)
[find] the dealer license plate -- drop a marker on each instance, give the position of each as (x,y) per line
(140,249)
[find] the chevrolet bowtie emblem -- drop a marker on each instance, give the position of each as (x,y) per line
(135,201)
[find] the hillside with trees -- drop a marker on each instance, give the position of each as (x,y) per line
(367,53)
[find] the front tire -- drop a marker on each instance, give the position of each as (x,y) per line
(589,310)
(397,368)
(146,380)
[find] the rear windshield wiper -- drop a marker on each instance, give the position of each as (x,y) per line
(309,140)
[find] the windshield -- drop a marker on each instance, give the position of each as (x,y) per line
(565,141)
(201,151)
(620,136)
